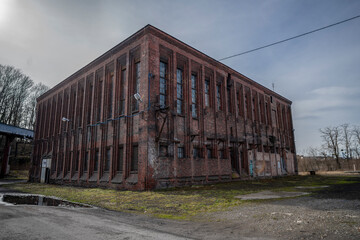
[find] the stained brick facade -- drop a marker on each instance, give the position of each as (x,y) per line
(195,120)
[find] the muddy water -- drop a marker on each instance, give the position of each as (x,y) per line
(14,199)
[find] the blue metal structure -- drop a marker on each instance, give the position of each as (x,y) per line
(15,131)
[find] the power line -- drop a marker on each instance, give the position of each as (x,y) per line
(288,39)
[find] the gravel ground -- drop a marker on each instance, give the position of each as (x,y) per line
(332,213)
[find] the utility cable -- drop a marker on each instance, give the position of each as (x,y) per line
(288,39)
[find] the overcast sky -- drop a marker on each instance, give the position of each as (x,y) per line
(320,73)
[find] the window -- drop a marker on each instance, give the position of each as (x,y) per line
(80,105)
(110,95)
(85,163)
(180,152)
(238,102)
(162,151)
(69,156)
(120,159)
(77,161)
(99,89)
(163,67)
(196,152)
(89,97)
(107,159)
(218,96)
(221,153)
(179,91)
(193,96)
(134,158)
(207,92)
(122,91)
(209,152)
(266,114)
(247,106)
(229,100)
(136,87)
(96,162)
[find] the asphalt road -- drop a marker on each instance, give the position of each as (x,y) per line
(41,222)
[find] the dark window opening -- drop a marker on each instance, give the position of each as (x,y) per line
(181,152)
(85,163)
(120,159)
(209,152)
(196,152)
(77,161)
(221,153)
(110,96)
(122,91)
(96,161)
(134,158)
(229,100)
(107,159)
(163,151)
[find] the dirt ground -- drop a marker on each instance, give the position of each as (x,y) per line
(332,213)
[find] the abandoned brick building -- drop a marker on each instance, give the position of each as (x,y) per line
(154,112)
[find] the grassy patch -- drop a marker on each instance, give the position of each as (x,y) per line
(178,203)
(18,174)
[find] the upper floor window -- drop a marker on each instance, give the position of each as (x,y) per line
(179,91)
(110,95)
(163,67)
(193,96)
(136,85)
(218,96)
(207,92)
(229,100)
(122,91)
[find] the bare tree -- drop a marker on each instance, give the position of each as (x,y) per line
(331,138)
(18,97)
(29,112)
(356,135)
(346,140)
(314,154)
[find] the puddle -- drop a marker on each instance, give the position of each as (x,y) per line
(17,199)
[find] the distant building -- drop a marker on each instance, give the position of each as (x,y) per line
(154,112)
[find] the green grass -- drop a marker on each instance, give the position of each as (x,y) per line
(18,174)
(179,203)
